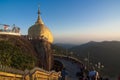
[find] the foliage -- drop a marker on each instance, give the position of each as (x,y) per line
(59,50)
(13,56)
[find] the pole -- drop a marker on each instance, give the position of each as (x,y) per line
(88,60)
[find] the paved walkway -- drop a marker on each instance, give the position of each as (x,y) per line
(71,68)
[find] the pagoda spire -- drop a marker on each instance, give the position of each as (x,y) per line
(39,20)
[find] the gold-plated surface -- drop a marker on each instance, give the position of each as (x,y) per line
(40,31)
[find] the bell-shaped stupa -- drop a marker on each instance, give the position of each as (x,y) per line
(40,31)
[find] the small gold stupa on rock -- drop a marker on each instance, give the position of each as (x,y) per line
(40,31)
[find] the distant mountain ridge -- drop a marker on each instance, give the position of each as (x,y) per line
(66,46)
(106,52)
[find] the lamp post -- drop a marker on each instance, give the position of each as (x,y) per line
(99,67)
(71,53)
(53,51)
(87,60)
(66,52)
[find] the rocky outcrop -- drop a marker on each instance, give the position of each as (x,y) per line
(21,48)
(44,52)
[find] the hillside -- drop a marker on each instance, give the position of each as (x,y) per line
(107,52)
(16,52)
(59,50)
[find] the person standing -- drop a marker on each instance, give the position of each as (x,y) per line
(93,74)
(64,74)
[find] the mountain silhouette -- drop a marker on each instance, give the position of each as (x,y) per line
(106,52)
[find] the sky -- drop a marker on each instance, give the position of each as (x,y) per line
(70,21)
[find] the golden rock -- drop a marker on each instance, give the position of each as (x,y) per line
(40,31)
